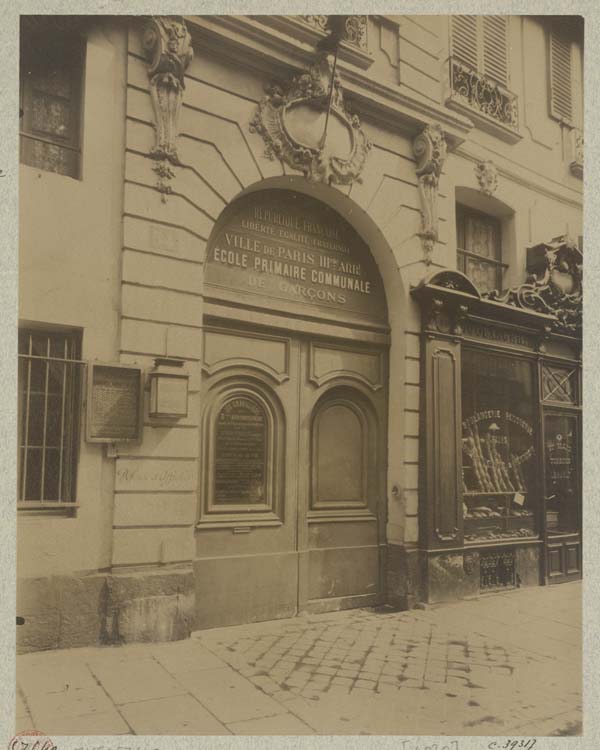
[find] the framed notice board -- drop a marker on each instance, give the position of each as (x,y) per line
(115,398)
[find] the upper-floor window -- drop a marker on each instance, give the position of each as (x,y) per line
(479,248)
(565,70)
(481,42)
(51,76)
(479,74)
(49,402)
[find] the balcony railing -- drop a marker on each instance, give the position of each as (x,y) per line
(577,163)
(355,32)
(483,96)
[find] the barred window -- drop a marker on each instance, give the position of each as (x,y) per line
(50,375)
(51,74)
(479,248)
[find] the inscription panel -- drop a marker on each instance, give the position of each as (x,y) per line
(114,403)
(495,334)
(241,454)
(285,246)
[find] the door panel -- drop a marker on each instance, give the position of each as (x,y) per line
(246,566)
(562,495)
(342,452)
(316,541)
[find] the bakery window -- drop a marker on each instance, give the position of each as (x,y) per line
(51,86)
(498,447)
(49,401)
(479,248)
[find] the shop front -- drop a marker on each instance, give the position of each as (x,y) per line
(501,506)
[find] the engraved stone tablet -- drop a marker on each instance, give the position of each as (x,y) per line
(240,453)
(283,250)
(114,403)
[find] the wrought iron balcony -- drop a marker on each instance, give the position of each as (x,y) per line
(487,101)
(355,32)
(577,162)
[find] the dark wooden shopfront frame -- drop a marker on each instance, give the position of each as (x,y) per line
(456,316)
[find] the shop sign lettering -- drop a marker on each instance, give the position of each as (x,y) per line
(492,333)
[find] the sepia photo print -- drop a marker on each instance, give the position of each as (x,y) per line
(299,376)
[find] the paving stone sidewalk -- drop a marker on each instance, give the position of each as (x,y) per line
(507,663)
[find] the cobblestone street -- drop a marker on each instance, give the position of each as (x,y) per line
(508,663)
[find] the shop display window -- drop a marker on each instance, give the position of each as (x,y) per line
(498,448)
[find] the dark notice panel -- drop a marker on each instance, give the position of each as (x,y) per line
(241,453)
(114,403)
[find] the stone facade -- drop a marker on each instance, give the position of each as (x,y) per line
(121,254)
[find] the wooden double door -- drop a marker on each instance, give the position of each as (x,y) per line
(292,467)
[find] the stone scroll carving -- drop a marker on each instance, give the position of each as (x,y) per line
(487,177)
(306,130)
(429,148)
(168,47)
(554,285)
(354,32)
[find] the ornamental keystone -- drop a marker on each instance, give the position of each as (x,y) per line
(292,119)
(487,176)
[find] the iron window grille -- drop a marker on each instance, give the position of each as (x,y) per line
(50,376)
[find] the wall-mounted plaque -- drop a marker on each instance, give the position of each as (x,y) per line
(241,453)
(115,403)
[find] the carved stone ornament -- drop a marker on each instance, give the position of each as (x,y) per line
(487,176)
(430,152)
(167,44)
(554,287)
(355,28)
(292,120)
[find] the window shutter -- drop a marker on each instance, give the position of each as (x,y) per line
(561,105)
(495,48)
(464,39)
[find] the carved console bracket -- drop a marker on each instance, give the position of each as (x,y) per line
(429,148)
(168,47)
(305,130)
(487,177)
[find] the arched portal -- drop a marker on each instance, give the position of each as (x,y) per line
(296,366)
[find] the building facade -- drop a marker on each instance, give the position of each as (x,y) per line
(300,316)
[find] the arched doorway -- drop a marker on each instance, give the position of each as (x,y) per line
(294,449)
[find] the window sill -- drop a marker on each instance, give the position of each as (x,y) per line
(52,509)
(239,521)
(333,516)
(508,542)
